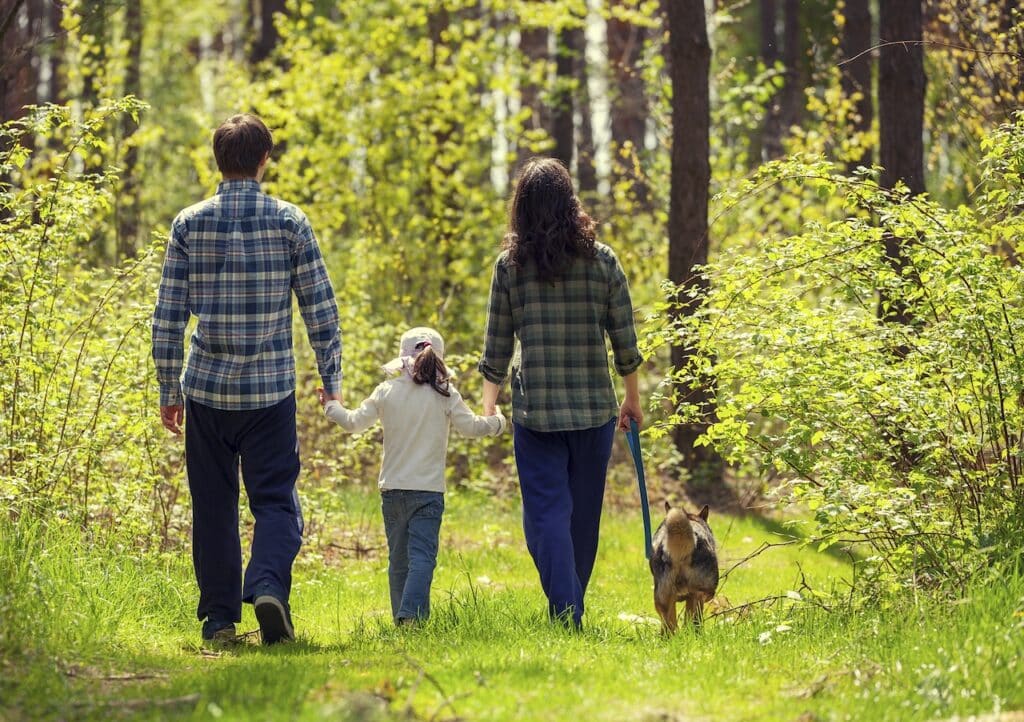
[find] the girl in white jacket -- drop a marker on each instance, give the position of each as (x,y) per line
(416,409)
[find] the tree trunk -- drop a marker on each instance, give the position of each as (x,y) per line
(901,86)
(94,36)
(265,36)
(771,141)
(128,199)
(857,73)
(586,173)
(688,205)
(628,105)
(533,44)
(792,91)
(17,76)
(562,99)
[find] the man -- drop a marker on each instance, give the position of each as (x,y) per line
(233,261)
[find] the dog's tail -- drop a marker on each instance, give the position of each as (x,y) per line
(679,536)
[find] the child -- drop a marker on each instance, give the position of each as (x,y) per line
(415,409)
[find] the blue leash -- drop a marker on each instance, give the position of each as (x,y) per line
(633,439)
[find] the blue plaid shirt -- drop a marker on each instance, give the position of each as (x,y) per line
(233,261)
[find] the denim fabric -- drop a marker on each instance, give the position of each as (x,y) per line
(265,443)
(412,522)
(562,478)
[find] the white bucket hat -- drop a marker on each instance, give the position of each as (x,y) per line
(413,341)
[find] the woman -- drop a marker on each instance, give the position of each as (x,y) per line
(559,292)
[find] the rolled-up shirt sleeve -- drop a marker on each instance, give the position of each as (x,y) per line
(171,317)
(499,341)
(317,305)
(619,323)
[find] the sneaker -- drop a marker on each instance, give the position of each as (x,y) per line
(275,626)
(220,635)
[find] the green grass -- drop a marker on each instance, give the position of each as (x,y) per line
(98,632)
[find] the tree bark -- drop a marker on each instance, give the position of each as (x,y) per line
(792,47)
(857,73)
(688,205)
(771,140)
(586,173)
(901,86)
(17,76)
(533,44)
(628,105)
(265,35)
(562,99)
(128,199)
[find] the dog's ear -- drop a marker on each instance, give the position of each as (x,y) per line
(704,513)
(668,507)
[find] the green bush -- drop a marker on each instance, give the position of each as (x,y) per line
(906,439)
(76,394)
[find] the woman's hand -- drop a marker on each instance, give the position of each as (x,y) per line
(631,407)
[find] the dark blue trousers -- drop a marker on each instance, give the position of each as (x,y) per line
(265,443)
(562,477)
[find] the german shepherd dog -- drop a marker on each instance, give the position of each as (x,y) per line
(684,563)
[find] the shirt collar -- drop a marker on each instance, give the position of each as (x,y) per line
(238,184)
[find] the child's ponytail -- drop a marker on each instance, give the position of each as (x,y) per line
(427,368)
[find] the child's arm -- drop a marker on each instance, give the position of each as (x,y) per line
(469,424)
(354,421)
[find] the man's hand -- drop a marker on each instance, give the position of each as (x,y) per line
(324,397)
(172,418)
(630,409)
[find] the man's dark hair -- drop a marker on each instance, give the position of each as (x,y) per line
(239,145)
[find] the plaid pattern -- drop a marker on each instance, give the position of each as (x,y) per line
(560,379)
(233,261)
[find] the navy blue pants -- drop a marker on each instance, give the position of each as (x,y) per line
(562,477)
(265,443)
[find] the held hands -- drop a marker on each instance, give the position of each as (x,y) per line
(323,397)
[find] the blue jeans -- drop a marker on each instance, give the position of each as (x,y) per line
(412,522)
(562,477)
(265,444)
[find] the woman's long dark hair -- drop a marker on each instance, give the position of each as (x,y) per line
(546,223)
(427,368)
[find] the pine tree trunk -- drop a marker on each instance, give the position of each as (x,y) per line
(792,53)
(628,105)
(857,70)
(586,173)
(265,35)
(771,137)
(128,199)
(688,206)
(901,86)
(533,45)
(562,99)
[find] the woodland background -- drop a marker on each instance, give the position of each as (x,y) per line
(817,203)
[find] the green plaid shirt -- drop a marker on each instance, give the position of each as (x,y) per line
(560,379)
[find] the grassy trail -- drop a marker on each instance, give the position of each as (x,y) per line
(91,633)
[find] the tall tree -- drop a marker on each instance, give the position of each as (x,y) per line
(94,21)
(128,199)
(771,141)
(628,109)
(18,72)
(901,86)
(265,35)
(562,100)
(690,54)
(856,78)
(533,45)
(792,52)
(586,172)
